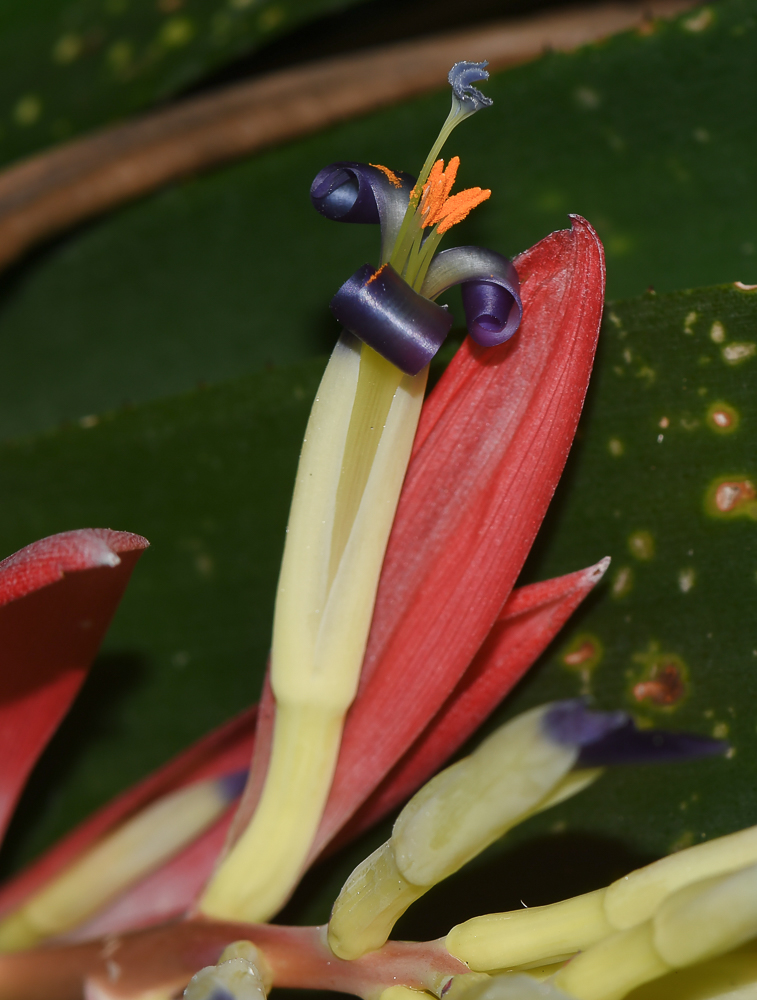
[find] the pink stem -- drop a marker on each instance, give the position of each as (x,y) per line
(165,958)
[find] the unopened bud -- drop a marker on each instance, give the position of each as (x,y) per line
(237,976)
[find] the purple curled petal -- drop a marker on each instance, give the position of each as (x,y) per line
(358,192)
(492,312)
(610,738)
(490,288)
(343,193)
(382,310)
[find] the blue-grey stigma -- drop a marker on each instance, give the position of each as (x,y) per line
(461,78)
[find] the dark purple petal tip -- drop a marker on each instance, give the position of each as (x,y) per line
(629,745)
(492,311)
(382,310)
(574,724)
(357,192)
(611,738)
(232,785)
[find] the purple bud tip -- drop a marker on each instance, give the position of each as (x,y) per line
(232,785)
(572,723)
(461,78)
(611,738)
(382,310)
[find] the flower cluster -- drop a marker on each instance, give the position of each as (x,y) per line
(398,628)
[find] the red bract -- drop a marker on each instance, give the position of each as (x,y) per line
(57,598)
(531,618)
(450,636)
(491,446)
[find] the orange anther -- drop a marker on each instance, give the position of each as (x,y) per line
(433,197)
(437,207)
(456,208)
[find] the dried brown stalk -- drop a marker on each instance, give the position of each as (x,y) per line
(48,193)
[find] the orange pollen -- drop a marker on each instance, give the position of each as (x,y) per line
(390,174)
(382,268)
(436,190)
(456,208)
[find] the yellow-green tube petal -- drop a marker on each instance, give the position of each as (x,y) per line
(730,977)
(708,918)
(514,773)
(506,940)
(137,847)
(611,969)
(637,896)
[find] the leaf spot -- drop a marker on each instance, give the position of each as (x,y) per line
(641,545)
(587,98)
(67,49)
(27,110)
(722,418)
(699,21)
(663,682)
(583,653)
(732,497)
(176,32)
(717,332)
(734,354)
(622,583)
(686,579)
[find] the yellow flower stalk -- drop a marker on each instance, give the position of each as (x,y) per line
(356,448)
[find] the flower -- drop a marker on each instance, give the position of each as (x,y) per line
(397,631)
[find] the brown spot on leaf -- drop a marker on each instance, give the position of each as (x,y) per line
(730,495)
(662,682)
(722,417)
(584,652)
(664,688)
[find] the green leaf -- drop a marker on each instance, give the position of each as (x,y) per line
(235,270)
